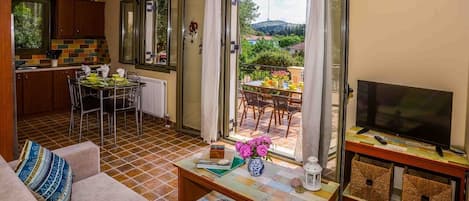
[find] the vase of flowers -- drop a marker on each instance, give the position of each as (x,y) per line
(281,76)
(255,151)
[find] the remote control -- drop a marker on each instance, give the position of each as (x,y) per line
(457,151)
(381,140)
(363,130)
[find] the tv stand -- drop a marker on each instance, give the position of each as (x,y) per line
(439,150)
(406,152)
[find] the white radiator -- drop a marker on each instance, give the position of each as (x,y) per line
(154,97)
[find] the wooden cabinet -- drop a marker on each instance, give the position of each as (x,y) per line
(37,92)
(61,91)
(19,94)
(89,18)
(42,92)
(79,19)
(64,18)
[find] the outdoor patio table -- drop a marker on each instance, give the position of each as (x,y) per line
(107,85)
(258,84)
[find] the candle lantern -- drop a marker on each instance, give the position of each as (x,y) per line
(312,174)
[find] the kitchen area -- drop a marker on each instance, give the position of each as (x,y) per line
(52,40)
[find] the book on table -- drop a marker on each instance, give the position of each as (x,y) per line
(216,163)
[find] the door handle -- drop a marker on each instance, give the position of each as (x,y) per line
(234,47)
(26,76)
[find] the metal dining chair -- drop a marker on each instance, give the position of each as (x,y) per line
(85,104)
(283,104)
(123,99)
(254,100)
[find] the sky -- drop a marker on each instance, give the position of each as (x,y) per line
(293,11)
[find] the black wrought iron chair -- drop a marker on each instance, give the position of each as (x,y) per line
(283,104)
(254,100)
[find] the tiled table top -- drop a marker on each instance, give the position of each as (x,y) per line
(274,184)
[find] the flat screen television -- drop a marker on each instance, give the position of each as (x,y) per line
(420,114)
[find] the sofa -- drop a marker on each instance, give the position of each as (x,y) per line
(89,183)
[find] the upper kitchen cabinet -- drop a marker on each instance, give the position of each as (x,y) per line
(79,19)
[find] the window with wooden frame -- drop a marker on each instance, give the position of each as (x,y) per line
(146,34)
(31,26)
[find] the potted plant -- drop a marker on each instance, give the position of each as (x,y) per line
(255,150)
(54,55)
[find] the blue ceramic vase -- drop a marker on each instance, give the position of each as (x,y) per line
(255,166)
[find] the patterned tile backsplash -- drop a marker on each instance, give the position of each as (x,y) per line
(74,51)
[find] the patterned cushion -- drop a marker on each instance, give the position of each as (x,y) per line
(44,172)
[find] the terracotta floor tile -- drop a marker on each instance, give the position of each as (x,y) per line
(137,162)
(126,167)
(143,178)
(163,189)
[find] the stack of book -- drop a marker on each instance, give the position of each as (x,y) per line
(218,160)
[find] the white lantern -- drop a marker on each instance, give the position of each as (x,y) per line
(312,174)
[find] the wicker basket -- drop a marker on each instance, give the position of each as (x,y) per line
(418,185)
(371,179)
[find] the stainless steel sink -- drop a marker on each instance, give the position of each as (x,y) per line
(26,68)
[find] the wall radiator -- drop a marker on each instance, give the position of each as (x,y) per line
(154,97)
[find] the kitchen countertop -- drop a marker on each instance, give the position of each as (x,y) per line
(60,67)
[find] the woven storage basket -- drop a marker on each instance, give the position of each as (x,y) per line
(422,186)
(371,179)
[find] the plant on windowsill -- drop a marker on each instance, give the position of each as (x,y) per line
(255,150)
(54,55)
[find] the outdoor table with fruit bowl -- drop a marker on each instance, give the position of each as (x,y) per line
(270,84)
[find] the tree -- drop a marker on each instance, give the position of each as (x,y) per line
(248,11)
(28,32)
(263,45)
(280,58)
(285,41)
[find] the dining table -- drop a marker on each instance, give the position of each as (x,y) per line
(104,86)
(285,88)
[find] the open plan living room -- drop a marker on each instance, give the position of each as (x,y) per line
(243,100)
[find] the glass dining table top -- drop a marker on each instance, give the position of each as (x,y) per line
(273,184)
(109,83)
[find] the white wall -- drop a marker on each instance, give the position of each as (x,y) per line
(421,43)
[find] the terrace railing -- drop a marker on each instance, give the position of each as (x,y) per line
(259,71)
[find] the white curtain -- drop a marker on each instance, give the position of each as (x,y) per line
(316,108)
(211,70)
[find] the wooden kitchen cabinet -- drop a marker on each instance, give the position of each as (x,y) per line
(37,92)
(64,18)
(19,94)
(89,18)
(61,91)
(79,19)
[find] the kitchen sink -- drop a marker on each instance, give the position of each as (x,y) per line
(26,68)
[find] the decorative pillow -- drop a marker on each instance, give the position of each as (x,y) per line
(44,172)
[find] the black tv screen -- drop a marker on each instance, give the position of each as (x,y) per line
(420,114)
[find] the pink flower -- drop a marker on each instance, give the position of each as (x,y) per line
(252,142)
(245,151)
(262,150)
(266,140)
(238,145)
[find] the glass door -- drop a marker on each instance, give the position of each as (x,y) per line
(265,54)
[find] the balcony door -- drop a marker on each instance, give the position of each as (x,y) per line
(264,54)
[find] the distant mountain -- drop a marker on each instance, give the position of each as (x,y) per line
(278,27)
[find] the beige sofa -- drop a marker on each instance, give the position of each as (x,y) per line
(89,184)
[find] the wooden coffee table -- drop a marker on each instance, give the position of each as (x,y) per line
(274,184)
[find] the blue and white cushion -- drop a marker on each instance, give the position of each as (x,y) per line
(45,173)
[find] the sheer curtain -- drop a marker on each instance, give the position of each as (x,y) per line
(211,70)
(317,107)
